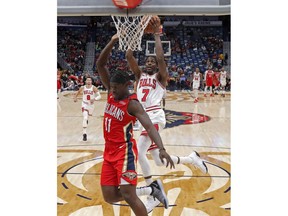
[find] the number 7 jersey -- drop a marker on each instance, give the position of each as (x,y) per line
(149,90)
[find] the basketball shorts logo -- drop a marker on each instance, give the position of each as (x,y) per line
(130,175)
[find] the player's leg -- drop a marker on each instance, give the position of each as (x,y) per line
(223,89)
(85,123)
(193,158)
(195,90)
(143,145)
(210,91)
(129,194)
(205,90)
(112,177)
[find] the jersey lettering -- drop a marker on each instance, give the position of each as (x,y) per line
(145,92)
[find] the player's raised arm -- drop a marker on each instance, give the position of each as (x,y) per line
(135,109)
(133,64)
(162,75)
(102,61)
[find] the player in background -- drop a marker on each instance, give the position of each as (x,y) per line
(59,83)
(197,77)
(150,91)
(208,77)
(118,174)
(223,77)
(90,95)
(216,81)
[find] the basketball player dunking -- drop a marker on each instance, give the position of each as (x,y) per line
(150,91)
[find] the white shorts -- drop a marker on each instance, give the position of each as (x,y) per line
(223,83)
(157,117)
(88,107)
(196,85)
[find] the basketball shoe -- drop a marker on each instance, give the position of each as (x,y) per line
(158,193)
(84,137)
(198,162)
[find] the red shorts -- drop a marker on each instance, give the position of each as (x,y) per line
(119,162)
(209,82)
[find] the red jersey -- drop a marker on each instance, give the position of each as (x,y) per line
(209,77)
(216,79)
(58,81)
(118,123)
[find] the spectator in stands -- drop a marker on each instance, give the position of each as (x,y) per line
(70,85)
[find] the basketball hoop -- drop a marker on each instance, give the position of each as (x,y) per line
(130,30)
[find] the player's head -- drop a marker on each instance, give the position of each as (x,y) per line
(119,83)
(89,81)
(222,69)
(151,65)
(197,70)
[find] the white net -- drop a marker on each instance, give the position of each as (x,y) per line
(130,30)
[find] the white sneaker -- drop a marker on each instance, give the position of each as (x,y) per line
(151,203)
(198,162)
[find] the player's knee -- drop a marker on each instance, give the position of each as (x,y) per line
(129,197)
(141,156)
(109,198)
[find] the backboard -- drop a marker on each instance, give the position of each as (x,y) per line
(156,7)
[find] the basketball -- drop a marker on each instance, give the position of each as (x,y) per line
(149,28)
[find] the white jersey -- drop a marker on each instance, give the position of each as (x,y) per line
(223,75)
(150,91)
(88,94)
(196,77)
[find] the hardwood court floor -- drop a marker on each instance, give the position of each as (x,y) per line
(189,191)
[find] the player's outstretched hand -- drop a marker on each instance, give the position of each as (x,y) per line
(163,154)
(115,37)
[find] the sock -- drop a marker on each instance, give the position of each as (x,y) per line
(148,180)
(142,191)
(185,160)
